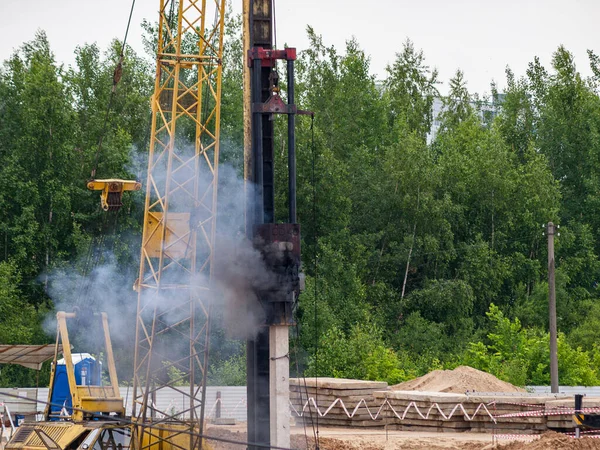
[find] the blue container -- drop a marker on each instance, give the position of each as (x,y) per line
(88,372)
(19,419)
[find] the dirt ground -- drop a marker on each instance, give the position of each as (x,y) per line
(361,439)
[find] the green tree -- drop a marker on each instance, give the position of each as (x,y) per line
(411,89)
(37,152)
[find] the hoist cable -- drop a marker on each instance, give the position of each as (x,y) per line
(297,336)
(96,242)
(116,78)
(274,26)
(316,268)
(310,411)
(94,255)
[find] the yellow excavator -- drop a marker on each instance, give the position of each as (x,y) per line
(85,413)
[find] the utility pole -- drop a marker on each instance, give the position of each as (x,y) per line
(551,229)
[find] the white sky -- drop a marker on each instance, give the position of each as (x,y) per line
(479,36)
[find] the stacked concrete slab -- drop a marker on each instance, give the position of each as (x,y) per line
(326,391)
(514,413)
(439,411)
(422,411)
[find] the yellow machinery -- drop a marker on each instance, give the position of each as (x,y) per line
(86,399)
(96,419)
(81,426)
(112,191)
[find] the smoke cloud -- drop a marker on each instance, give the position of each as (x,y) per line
(238,274)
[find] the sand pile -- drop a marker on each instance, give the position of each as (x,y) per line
(459,380)
(554,441)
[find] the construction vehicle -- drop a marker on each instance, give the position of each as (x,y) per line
(177,251)
(92,416)
(76,422)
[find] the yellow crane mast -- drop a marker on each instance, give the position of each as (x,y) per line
(174,284)
(176,265)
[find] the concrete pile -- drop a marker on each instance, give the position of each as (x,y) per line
(357,397)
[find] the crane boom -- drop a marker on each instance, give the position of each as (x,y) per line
(176,264)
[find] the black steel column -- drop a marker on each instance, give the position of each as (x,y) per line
(291,144)
(257,144)
(257,349)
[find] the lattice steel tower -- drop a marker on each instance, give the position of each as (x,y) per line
(174,284)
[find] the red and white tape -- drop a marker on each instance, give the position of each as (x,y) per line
(549,412)
(435,409)
(459,408)
(516,437)
(228,413)
(529,405)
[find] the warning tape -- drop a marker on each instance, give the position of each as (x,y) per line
(529,405)
(533,437)
(560,411)
(228,412)
(514,437)
(435,409)
(583,432)
(412,405)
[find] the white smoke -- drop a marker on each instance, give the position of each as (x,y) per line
(238,274)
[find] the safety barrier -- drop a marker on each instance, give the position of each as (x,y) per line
(411,405)
(498,422)
(228,412)
(517,437)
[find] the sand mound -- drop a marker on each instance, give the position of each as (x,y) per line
(459,380)
(555,441)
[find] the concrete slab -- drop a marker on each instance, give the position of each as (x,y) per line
(421,396)
(223,421)
(588,402)
(338,383)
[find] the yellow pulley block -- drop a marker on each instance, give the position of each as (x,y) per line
(112,191)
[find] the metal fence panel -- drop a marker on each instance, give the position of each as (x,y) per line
(233,400)
(592,391)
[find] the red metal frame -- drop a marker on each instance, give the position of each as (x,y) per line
(268,56)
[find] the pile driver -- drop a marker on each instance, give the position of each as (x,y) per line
(267,354)
(175,285)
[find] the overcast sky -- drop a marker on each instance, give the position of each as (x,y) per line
(481,37)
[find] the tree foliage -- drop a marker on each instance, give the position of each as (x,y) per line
(422,250)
